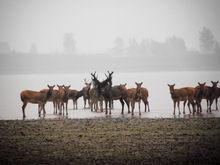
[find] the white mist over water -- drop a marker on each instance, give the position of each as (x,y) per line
(156,82)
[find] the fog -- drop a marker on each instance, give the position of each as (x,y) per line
(154,41)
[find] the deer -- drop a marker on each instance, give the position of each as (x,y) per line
(144,98)
(94,99)
(104,89)
(199,92)
(63,98)
(86,90)
(36,97)
(210,95)
(53,98)
(183,94)
(136,97)
(72,94)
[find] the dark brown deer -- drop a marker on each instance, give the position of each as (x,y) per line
(36,97)
(104,89)
(72,94)
(199,94)
(182,94)
(210,94)
(136,97)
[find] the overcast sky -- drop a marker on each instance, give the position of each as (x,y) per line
(96,23)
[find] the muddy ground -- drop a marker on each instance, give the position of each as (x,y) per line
(110,141)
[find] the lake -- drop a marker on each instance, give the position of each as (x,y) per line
(156,82)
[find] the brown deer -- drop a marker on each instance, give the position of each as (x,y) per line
(182,94)
(95,99)
(53,98)
(136,97)
(72,94)
(35,97)
(63,98)
(86,90)
(144,98)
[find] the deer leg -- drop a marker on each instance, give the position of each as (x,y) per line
(188,104)
(43,107)
(178,104)
(106,107)
(84,102)
(210,106)
(148,107)
(110,108)
(122,105)
(174,107)
(132,107)
(23,108)
(207,101)
(184,104)
(216,103)
(39,109)
(128,105)
(139,107)
(66,107)
(101,106)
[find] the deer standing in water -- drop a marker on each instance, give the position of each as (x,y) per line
(35,97)
(72,94)
(183,94)
(199,92)
(53,98)
(86,90)
(136,97)
(63,98)
(210,94)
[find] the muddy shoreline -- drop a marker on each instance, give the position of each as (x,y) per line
(110,141)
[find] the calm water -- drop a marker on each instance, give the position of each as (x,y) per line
(156,82)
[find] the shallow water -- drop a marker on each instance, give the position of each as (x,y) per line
(156,82)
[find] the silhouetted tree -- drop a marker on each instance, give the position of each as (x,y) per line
(207,40)
(4,48)
(69,43)
(118,49)
(133,47)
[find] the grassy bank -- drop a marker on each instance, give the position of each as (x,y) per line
(108,141)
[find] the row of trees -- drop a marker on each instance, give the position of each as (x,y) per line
(172,46)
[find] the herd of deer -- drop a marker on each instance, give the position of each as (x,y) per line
(194,96)
(96,92)
(95,95)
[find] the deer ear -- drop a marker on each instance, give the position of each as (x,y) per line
(53,86)
(48,86)
(136,83)
(168,85)
(212,82)
(141,83)
(125,84)
(199,83)
(217,81)
(174,84)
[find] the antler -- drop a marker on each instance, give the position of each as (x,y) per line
(93,74)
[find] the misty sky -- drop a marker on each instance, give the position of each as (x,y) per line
(96,23)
